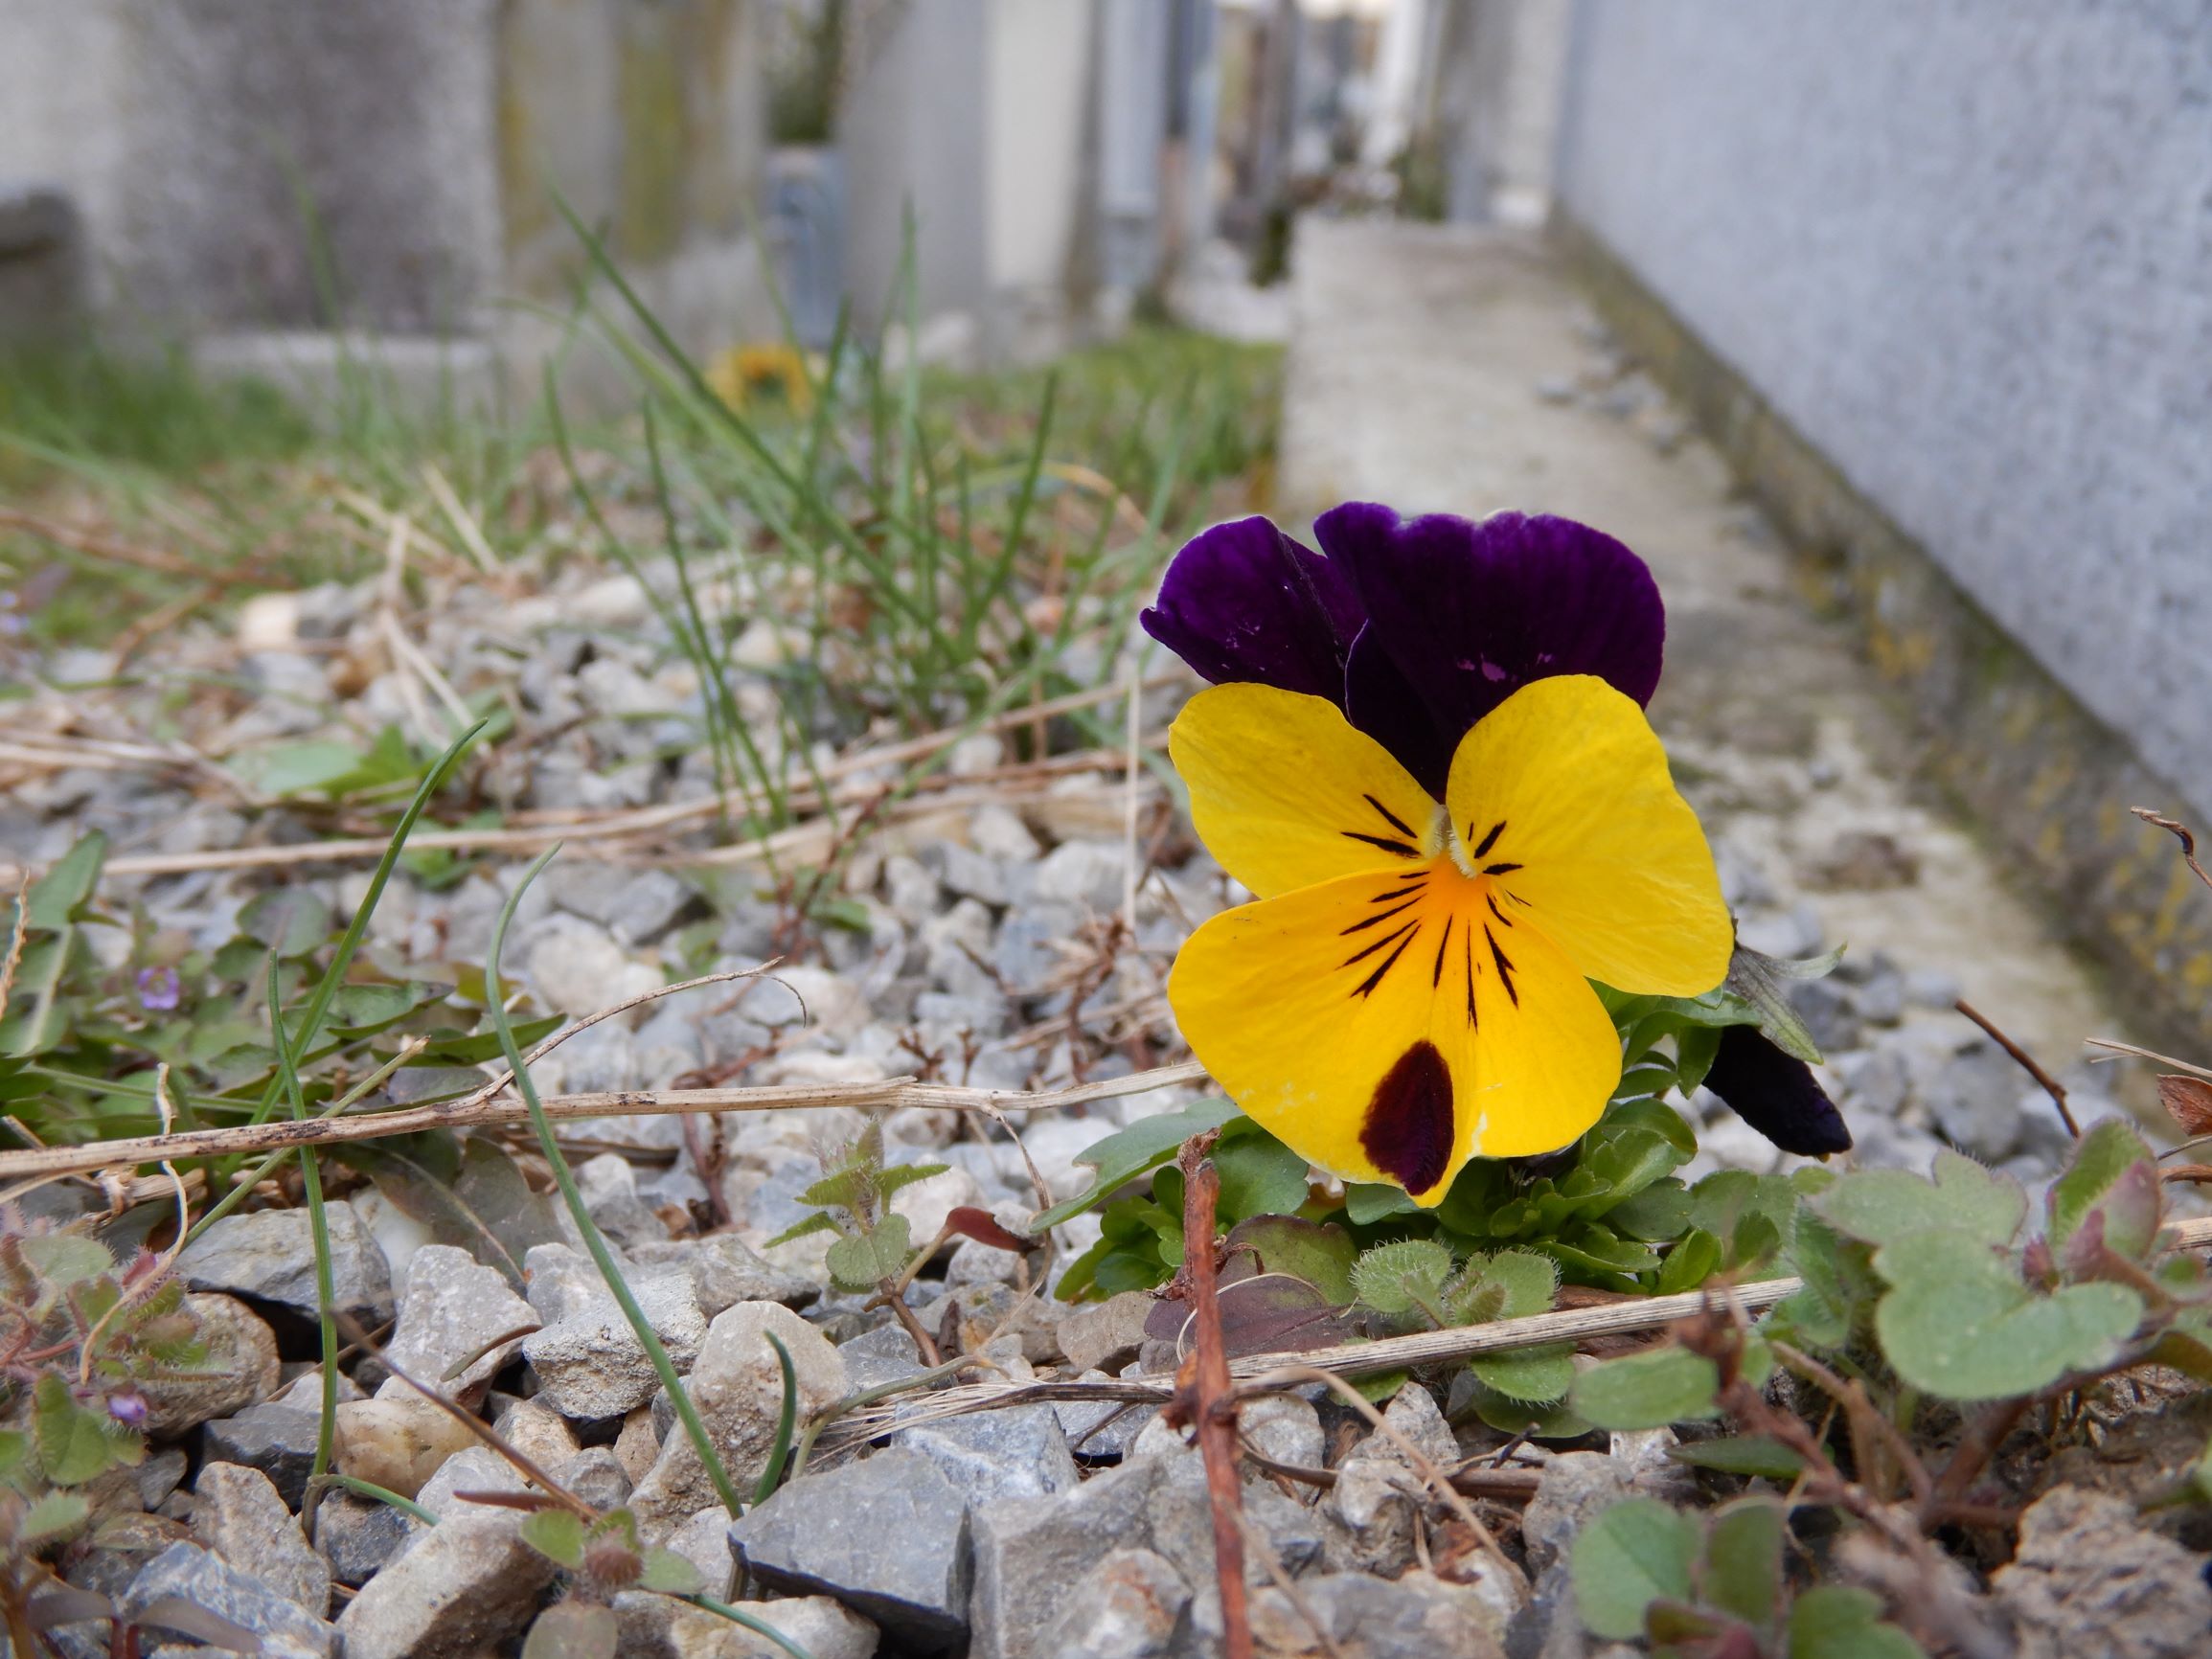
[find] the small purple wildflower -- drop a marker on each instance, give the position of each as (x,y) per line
(128,1407)
(159,989)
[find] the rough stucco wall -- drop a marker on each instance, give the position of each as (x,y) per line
(1962,248)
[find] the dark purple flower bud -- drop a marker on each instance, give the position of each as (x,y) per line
(128,1407)
(159,989)
(1776,1094)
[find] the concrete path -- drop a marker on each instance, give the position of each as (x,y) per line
(1446,368)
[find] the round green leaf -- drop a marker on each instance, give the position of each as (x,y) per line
(1647,1390)
(1635,1554)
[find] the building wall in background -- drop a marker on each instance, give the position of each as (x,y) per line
(1963,250)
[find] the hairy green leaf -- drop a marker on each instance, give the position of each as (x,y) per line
(863,1259)
(573,1630)
(1401,1276)
(1536,1375)
(814,1223)
(66,1258)
(2114,1174)
(1742,1571)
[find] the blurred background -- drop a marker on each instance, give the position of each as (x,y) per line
(1925,289)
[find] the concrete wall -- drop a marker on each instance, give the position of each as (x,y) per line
(1962,249)
(389,165)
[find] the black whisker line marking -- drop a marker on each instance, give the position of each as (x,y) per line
(1367,986)
(1436,973)
(1524,903)
(1403,928)
(1467,941)
(1487,841)
(1504,964)
(1367,921)
(1392,819)
(1499,869)
(1397,847)
(1491,901)
(1397,893)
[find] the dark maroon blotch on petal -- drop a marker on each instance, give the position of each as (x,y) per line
(1245,601)
(1776,1094)
(1408,1131)
(1467,613)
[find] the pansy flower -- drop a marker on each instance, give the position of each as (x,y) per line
(1427,757)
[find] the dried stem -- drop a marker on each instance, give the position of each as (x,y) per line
(1205,1397)
(2050,1085)
(2180,832)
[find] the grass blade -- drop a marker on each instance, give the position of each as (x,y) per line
(319,1224)
(495,995)
(786,1420)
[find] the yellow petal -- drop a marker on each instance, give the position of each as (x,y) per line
(1284,793)
(1562,795)
(1389,1028)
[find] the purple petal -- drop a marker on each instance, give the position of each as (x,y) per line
(1776,1094)
(1468,613)
(1378,700)
(1245,601)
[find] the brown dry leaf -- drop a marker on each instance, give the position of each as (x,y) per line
(2188,1101)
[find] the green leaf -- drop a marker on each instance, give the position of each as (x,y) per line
(1259,1175)
(1840,1285)
(290,921)
(328,767)
(1959,1324)
(1365,1204)
(1841,1622)
(65,1259)
(1402,1275)
(1142,1147)
(863,1259)
(1661,1211)
(1694,1258)
(1694,1049)
(1759,1455)
(54,1515)
(889,1180)
(1648,1390)
(671,1574)
(558,1536)
(2113,1172)
(1881,1206)
(58,897)
(75,1443)
(1743,1566)
(1536,1375)
(1757,980)
(1636,1553)
(1509,1285)
(814,1223)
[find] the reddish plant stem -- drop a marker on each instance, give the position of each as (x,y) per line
(2051,1085)
(1212,1408)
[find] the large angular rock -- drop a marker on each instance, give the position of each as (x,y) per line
(2089,1577)
(396,1441)
(240,1369)
(238,1516)
(726,1271)
(358,1535)
(1096,1336)
(1131,1605)
(279,1440)
(589,1363)
(467,1586)
(451,1307)
(1029,1550)
(738,1387)
(192,1574)
(1415,1617)
(887,1536)
(1019,1452)
(269,1256)
(1371,1510)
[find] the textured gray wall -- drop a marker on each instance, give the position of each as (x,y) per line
(1964,246)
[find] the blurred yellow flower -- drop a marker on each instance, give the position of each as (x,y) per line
(762,372)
